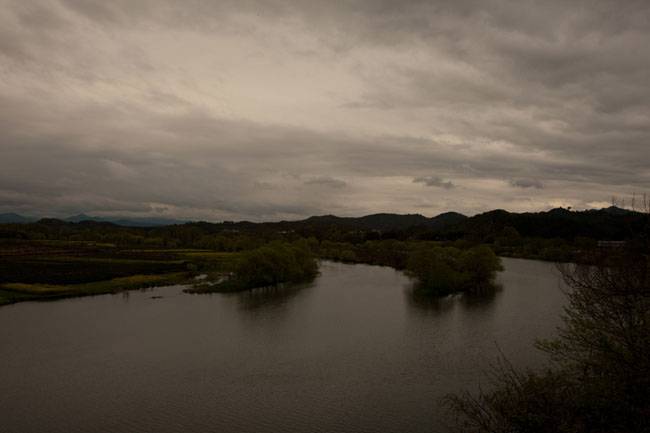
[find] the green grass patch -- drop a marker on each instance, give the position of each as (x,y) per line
(211,261)
(16,292)
(110,260)
(212,255)
(52,269)
(166,250)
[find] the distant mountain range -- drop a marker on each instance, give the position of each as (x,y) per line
(560,222)
(13,218)
(384,221)
(127,221)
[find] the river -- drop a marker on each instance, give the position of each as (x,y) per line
(354,351)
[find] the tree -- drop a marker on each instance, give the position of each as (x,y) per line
(481,266)
(509,237)
(436,270)
(273,264)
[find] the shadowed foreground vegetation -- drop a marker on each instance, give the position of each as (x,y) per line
(599,380)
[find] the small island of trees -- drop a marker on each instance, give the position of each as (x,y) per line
(437,270)
(444,270)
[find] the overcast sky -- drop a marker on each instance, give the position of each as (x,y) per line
(268,110)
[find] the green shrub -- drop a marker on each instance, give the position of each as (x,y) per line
(444,270)
(271,265)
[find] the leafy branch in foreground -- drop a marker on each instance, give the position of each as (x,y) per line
(601,372)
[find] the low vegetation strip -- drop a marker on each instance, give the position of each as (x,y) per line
(50,271)
(16,292)
(53,269)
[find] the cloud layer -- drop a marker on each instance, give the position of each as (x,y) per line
(277,109)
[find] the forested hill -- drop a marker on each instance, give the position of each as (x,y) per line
(604,224)
(14,218)
(383,221)
(612,223)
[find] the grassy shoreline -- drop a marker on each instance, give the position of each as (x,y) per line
(48,270)
(44,270)
(11,293)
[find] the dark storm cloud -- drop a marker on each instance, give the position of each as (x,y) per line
(247,109)
(527,183)
(434,181)
(326,181)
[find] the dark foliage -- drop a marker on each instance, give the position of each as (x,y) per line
(442,271)
(270,265)
(601,373)
(555,235)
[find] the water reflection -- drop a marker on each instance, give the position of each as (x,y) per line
(269,297)
(428,304)
(482,301)
(356,351)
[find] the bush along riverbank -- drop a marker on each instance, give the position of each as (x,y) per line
(271,265)
(45,270)
(437,269)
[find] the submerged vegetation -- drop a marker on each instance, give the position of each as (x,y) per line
(52,269)
(52,259)
(438,269)
(442,271)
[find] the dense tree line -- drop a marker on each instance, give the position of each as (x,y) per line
(540,235)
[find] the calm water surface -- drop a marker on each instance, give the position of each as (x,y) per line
(352,352)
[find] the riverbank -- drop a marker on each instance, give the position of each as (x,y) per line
(11,293)
(49,270)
